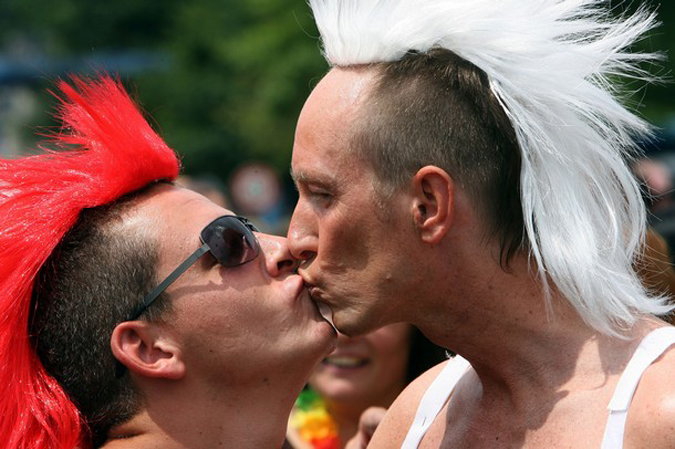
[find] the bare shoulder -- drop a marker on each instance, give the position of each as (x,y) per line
(395,425)
(651,417)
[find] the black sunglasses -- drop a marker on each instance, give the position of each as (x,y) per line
(229,239)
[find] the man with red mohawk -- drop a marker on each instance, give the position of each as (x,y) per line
(134,313)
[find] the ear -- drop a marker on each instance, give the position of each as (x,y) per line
(145,349)
(433,203)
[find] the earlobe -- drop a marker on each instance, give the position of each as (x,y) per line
(143,349)
(433,191)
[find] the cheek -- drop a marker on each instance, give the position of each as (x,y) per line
(344,244)
(226,311)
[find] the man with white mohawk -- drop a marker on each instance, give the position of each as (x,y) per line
(463,167)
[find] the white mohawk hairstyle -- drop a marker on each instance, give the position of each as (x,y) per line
(552,65)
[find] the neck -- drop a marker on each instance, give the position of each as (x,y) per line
(520,351)
(251,417)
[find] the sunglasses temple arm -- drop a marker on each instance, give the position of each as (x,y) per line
(182,268)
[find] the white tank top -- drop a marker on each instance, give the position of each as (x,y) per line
(649,349)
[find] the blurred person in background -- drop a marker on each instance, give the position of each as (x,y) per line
(362,372)
(655,267)
(655,172)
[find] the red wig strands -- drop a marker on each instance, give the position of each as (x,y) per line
(107,149)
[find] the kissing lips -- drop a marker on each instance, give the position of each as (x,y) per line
(324,309)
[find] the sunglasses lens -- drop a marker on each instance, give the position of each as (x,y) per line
(230,241)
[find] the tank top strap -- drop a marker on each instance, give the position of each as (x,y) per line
(434,399)
(650,348)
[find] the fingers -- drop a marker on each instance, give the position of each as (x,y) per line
(370,419)
(368,422)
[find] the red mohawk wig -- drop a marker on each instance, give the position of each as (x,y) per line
(107,150)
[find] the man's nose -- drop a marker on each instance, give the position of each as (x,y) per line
(302,239)
(278,258)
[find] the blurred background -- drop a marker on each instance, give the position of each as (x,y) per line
(224,81)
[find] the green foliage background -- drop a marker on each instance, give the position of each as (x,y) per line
(238,70)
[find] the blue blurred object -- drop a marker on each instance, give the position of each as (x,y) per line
(28,70)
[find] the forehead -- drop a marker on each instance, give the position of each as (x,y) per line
(326,121)
(173,217)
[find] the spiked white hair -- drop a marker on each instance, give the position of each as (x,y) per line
(551,65)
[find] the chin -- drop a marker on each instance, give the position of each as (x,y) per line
(324,339)
(353,327)
(344,324)
(331,342)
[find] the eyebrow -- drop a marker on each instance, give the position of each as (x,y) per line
(306,178)
(323,181)
(297,176)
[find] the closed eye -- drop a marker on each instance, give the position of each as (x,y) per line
(321,198)
(324,195)
(316,192)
